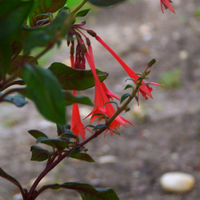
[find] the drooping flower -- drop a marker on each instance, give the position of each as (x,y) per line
(145,89)
(103,108)
(76,124)
(101,99)
(109,94)
(167,4)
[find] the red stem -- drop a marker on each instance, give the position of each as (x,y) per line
(12,91)
(18,82)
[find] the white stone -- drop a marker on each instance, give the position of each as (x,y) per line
(107,159)
(177,182)
(17,196)
(183,55)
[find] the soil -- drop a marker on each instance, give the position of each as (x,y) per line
(166,132)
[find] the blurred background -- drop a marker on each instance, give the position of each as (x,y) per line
(166,132)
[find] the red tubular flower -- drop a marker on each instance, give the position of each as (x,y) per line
(167,4)
(144,89)
(109,94)
(101,99)
(76,124)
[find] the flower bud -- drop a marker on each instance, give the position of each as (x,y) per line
(88,41)
(92,33)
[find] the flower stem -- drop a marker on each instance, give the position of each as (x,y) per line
(12,91)
(124,106)
(17,82)
(79,7)
(119,110)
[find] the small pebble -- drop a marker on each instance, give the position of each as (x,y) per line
(183,55)
(107,159)
(17,196)
(177,182)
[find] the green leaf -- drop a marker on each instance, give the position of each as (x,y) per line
(74,79)
(86,191)
(68,135)
(62,128)
(36,38)
(53,142)
(5,56)
(17,100)
(116,132)
(113,102)
(83,157)
(13,15)
(9,178)
(39,154)
(124,96)
(136,98)
(70,99)
(100,126)
(82,13)
(129,86)
(36,134)
(105,2)
(74,151)
(127,109)
(46,35)
(44,90)
(42,7)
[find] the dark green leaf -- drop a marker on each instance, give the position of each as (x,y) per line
(113,102)
(53,142)
(62,128)
(105,2)
(17,100)
(86,191)
(68,135)
(136,98)
(132,79)
(83,157)
(37,38)
(124,96)
(13,15)
(129,86)
(9,178)
(82,13)
(127,109)
(39,154)
(44,90)
(74,79)
(5,56)
(146,83)
(42,7)
(74,151)
(90,126)
(70,99)
(36,134)
(100,126)
(47,35)
(116,132)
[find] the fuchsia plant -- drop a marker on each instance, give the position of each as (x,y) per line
(56,87)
